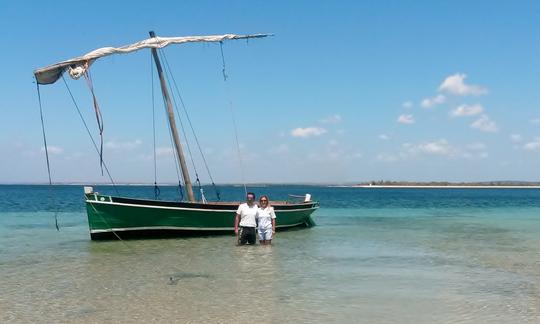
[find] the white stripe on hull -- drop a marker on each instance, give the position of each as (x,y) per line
(183,208)
(177,228)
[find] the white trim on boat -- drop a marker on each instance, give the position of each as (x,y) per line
(178,228)
(183,208)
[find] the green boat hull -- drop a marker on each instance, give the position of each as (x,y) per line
(119,217)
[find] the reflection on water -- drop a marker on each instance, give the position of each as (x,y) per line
(387,264)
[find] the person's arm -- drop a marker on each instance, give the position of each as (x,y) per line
(236,221)
(273,215)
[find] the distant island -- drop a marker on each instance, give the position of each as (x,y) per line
(365,184)
(446,184)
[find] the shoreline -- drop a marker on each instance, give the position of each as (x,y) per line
(328,185)
(437,187)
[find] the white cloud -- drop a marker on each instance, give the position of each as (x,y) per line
(407,104)
(308,132)
(439,147)
(467,110)
(384,137)
(209,150)
(74,156)
(128,145)
(53,149)
(164,151)
(334,119)
(485,124)
(280,149)
(455,84)
(405,119)
(386,157)
(478,146)
(536,121)
(516,138)
(533,145)
(431,102)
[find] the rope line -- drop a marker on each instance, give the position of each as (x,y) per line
(223,62)
(173,148)
(89,133)
(99,117)
(176,162)
(109,226)
(225,77)
(157,191)
(179,175)
(184,108)
(43,132)
(168,76)
(46,154)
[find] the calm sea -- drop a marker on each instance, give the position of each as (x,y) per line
(376,256)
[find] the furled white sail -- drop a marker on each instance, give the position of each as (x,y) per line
(77,66)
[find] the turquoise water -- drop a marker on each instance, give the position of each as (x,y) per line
(376,256)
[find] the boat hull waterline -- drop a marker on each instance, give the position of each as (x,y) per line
(110,216)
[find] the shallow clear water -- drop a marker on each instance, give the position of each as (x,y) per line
(376,256)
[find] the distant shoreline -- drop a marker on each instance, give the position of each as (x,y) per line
(441,187)
(418,185)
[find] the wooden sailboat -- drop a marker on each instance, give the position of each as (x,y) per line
(113,216)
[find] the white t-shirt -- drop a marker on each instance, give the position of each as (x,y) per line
(247,215)
(264,216)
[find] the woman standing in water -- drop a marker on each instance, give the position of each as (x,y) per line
(267,221)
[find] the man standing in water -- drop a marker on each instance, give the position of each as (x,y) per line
(245,217)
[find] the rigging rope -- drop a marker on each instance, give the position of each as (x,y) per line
(99,118)
(218,195)
(225,77)
(156,188)
(168,74)
(179,175)
(89,133)
(173,148)
(46,154)
(176,163)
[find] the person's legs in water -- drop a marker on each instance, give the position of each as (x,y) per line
(260,233)
(246,236)
(265,236)
(251,237)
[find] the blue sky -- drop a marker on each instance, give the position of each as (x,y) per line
(346,91)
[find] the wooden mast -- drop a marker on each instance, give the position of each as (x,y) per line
(172,122)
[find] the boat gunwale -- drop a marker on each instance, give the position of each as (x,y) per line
(212,206)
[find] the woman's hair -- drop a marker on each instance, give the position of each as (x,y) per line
(268,200)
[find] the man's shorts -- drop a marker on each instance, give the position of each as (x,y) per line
(265,234)
(246,235)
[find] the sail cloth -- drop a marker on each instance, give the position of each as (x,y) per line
(78,66)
